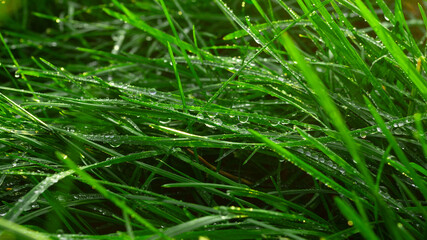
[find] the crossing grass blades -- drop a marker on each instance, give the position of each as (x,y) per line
(213,119)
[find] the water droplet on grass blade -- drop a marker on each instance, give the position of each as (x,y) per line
(152,91)
(243,119)
(274,123)
(212,114)
(165,121)
(234,128)
(218,121)
(115,144)
(223,211)
(199,116)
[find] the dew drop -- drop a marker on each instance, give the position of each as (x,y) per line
(234,127)
(166,121)
(223,211)
(152,91)
(115,144)
(199,116)
(243,119)
(27,208)
(274,123)
(218,121)
(212,114)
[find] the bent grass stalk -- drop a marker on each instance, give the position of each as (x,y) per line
(213,119)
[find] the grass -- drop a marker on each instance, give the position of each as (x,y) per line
(213,119)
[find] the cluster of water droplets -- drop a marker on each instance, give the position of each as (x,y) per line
(86,196)
(397,128)
(321,159)
(112,139)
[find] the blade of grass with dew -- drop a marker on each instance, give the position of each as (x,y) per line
(109,195)
(184,53)
(339,45)
(329,106)
(354,218)
(264,47)
(277,202)
(25,112)
(109,84)
(137,22)
(15,62)
(194,224)
(178,79)
(405,64)
(33,194)
(420,134)
(306,167)
(336,158)
(401,155)
(20,230)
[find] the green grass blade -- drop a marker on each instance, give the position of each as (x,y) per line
(399,152)
(178,79)
(364,227)
(20,231)
(109,195)
(405,64)
(328,105)
(303,165)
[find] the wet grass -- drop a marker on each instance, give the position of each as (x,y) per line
(213,120)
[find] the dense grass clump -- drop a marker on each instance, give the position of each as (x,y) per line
(179,119)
